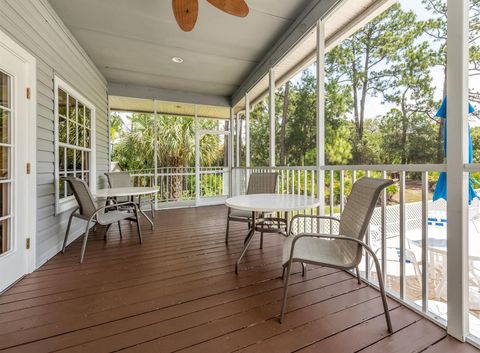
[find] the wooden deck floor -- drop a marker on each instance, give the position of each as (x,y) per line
(178,292)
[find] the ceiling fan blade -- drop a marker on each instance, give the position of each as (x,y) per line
(233,7)
(186,13)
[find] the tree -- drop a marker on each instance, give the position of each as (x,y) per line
(359,62)
(436,27)
(134,147)
(410,88)
(283,124)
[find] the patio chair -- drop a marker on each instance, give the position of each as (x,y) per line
(90,211)
(124,180)
(258,183)
(342,251)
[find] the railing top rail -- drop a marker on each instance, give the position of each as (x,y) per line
(376,167)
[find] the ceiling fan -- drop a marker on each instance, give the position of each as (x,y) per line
(186,11)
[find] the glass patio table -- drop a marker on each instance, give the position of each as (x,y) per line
(268,203)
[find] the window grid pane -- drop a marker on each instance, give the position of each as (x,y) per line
(74,120)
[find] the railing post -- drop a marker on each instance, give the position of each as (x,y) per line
(271,111)
(321,114)
(425,241)
(401,183)
(155,150)
(457,180)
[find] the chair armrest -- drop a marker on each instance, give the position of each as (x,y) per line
(98,210)
(311,217)
(333,237)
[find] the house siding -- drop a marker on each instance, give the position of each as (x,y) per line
(34,25)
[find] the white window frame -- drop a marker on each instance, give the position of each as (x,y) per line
(62,205)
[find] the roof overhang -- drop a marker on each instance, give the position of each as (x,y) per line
(141,105)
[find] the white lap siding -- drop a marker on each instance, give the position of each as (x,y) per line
(34,25)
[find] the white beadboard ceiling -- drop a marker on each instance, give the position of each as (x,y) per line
(133,41)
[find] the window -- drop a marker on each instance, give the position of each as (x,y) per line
(74,142)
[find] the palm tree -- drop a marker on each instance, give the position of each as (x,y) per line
(134,147)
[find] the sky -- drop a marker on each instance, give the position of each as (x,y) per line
(375,105)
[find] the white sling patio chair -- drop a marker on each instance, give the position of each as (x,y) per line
(89,211)
(343,251)
(258,183)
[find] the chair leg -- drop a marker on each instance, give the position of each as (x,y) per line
(120,230)
(261,240)
(106,231)
(284,269)
(359,280)
(304,269)
(67,231)
(152,205)
(138,225)
(285,291)
(228,229)
(383,294)
(85,239)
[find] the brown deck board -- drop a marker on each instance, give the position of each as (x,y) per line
(178,292)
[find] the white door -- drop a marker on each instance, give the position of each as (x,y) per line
(13,158)
(212,176)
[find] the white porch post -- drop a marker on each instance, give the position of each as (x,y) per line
(197,159)
(247,131)
(457,179)
(155,150)
(271,111)
(237,138)
(230,154)
(321,114)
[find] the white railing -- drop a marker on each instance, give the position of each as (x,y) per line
(177,185)
(407,230)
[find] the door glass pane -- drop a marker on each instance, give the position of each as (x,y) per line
(213,152)
(5,199)
(5,189)
(4,157)
(5,235)
(4,90)
(4,126)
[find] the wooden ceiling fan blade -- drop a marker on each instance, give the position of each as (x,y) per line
(233,7)
(186,13)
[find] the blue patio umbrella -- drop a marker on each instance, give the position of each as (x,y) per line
(441,187)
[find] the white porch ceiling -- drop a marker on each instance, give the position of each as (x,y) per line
(132,41)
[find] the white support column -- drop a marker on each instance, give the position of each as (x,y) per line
(230,154)
(247,131)
(197,159)
(321,113)
(155,150)
(109,116)
(457,179)
(271,111)
(237,135)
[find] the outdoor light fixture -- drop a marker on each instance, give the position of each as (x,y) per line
(177,60)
